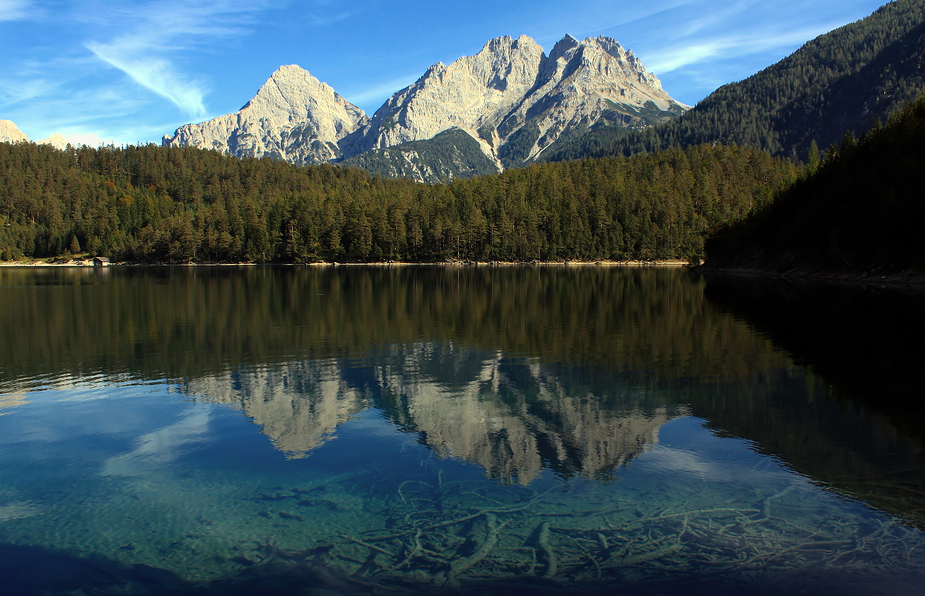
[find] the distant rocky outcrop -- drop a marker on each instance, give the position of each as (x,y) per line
(510,100)
(9,133)
(452,153)
(294,117)
(56,141)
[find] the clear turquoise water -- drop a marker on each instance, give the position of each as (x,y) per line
(466,454)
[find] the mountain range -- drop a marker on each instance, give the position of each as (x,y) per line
(500,108)
(512,104)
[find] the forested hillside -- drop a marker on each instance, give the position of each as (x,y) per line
(450,154)
(860,211)
(841,81)
(159,204)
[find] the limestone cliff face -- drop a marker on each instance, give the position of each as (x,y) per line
(9,133)
(586,83)
(517,101)
(294,117)
(469,93)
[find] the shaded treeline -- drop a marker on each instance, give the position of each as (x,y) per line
(154,204)
(859,211)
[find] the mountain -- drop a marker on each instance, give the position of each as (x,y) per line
(517,101)
(511,100)
(56,141)
(9,133)
(294,117)
(842,81)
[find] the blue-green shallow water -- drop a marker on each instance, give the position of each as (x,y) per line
(437,430)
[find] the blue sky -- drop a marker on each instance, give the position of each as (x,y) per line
(132,71)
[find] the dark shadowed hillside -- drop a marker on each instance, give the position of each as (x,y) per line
(859,212)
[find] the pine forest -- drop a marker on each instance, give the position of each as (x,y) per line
(173,205)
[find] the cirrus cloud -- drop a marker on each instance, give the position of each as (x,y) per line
(159,32)
(156,74)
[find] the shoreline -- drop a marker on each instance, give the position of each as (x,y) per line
(88,264)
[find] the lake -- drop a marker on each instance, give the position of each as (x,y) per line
(360,430)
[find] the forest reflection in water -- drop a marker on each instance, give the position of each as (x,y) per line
(866,436)
(516,369)
(383,386)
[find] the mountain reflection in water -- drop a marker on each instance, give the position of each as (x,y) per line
(513,417)
(500,429)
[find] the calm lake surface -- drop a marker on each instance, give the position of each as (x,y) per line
(425,429)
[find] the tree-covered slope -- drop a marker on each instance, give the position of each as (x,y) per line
(842,81)
(450,154)
(168,204)
(859,212)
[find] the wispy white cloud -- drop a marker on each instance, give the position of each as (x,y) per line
(176,24)
(15,10)
(601,17)
(716,16)
(681,55)
(40,108)
(14,91)
(159,32)
(157,74)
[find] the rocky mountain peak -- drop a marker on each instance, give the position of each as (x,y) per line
(293,89)
(57,141)
(563,46)
(507,45)
(466,94)
(293,116)
(611,60)
(10,133)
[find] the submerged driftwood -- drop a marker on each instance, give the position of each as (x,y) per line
(450,536)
